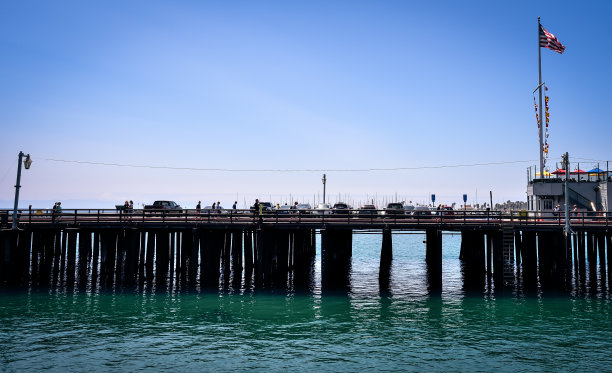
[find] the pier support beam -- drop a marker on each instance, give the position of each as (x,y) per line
(473,259)
(24,243)
(8,242)
(336,253)
(433,257)
(386,258)
(211,246)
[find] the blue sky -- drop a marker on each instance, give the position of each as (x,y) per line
(336,85)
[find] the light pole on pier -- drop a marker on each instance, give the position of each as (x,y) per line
(27,163)
(566,165)
(324,180)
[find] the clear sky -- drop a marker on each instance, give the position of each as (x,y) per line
(287,85)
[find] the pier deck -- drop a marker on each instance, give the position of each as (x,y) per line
(107,247)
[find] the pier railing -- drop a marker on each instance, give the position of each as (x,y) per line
(239,217)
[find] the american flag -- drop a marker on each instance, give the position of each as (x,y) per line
(548,40)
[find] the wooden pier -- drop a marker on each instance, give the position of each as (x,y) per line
(110,248)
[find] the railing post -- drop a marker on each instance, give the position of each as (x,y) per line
(75,216)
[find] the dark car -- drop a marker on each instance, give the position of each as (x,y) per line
(421,212)
(341,208)
(367,210)
(266,207)
(394,209)
(164,205)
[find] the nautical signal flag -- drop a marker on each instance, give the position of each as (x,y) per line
(548,40)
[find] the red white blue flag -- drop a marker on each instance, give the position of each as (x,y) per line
(548,40)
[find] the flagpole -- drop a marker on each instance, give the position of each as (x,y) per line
(541,122)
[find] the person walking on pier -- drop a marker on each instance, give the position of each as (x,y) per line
(256,206)
(234,206)
(199,207)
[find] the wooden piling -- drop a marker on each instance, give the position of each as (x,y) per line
(609,261)
(84,255)
(95,259)
(236,251)
(162,256)
(601,245)
(336,252)
(71,257)
(474,262)
(530,260)
(498,261)
(150,254)
(24,245)
(248,250)
(8,242)
(194,257)
(434,259)
(211,246)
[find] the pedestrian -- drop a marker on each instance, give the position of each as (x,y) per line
(198,207)
(53,212)
(235,205)
(256,206)
(131,206)
(214,206)
(59,208)
(126,206)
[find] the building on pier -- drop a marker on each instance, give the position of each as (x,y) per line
(594,193)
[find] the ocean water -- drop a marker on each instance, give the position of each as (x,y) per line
(404,328)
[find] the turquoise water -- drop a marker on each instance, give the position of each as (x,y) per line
(237,329)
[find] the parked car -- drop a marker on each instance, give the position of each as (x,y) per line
(394,209)
(284,209)
(408,209)
(303,208)
(216,210)
(421,212)
(341,208)
(323,209)
(266,206)
(367,210)
(164,205)
(445,211)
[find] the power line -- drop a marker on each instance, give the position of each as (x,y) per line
(288,170)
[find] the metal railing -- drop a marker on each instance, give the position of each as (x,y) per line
(313,217)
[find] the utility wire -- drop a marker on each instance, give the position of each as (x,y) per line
(287,170)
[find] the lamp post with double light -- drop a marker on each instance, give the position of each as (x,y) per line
(27,162)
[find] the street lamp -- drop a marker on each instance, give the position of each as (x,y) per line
(324,179)
(26,163)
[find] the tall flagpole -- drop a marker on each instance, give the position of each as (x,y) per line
(541,122)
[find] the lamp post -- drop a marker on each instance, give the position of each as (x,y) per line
(324,179)
(566,165)
(27,163)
